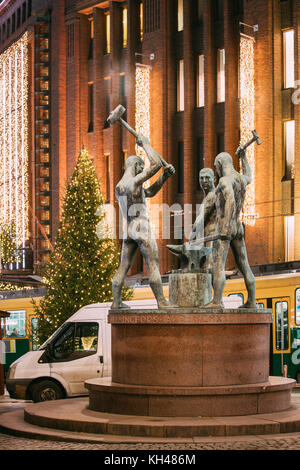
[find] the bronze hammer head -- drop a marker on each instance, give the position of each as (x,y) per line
(256,137)
(115,115)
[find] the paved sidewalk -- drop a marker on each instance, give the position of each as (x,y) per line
(271,442)
(286,442)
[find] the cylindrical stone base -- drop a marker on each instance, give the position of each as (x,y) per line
(190,362)
(190,289)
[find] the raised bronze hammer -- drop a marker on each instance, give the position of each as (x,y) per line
(255,138)
(115,116)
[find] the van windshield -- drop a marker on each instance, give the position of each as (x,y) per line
(53,336)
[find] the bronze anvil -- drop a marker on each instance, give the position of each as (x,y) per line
(192,257)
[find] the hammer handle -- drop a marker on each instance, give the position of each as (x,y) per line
(208,238)
(245,146)
(135,134)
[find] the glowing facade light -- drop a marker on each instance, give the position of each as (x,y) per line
(142,109)
(14,150)
(142,104)
(247,122)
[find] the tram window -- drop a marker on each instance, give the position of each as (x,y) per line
(297,303)
(260,305)
(15,324)
(76,341)
(282,330)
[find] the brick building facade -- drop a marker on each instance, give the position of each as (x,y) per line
(83,60)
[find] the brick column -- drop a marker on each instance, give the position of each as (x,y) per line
(58,112)
(210,88)
(99,91)
(190,167)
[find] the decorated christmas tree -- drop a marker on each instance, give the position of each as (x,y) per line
(81,268)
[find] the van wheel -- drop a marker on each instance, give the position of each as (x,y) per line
(45,391)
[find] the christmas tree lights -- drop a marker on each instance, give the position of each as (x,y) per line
(82,266)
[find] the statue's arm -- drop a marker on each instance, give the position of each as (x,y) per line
(154,159)
(155,187)
(205,212)
(225,219)
(246,170)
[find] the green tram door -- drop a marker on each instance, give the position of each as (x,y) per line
(281,337)
(14,348)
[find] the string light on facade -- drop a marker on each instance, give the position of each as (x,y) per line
(247,122)
(142,104)
(142,109)
(14,150)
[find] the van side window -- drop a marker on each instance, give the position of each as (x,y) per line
(76,341)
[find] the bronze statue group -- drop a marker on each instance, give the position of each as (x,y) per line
(218,226)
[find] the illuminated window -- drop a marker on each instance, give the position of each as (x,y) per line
(124,25)
(180,86)
(44,186)
(15,324)
(200,81)
(124,158)
(141,22)
(44,172)
(289,237)
(107,32)
(45,215)
(289,149)
(288,59)
(221,76)
(180,15)
(44,158)
(44,200)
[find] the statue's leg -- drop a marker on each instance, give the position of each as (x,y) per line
(240,255)
(149,251)
(220,253)
(129,248)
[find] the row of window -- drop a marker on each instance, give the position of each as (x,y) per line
(70,49)
(200,90)
(15,21)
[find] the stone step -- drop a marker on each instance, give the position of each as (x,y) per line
(73,415)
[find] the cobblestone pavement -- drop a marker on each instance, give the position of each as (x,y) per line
(282,442)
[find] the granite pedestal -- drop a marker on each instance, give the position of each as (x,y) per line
(190,362)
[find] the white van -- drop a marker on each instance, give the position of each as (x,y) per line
(79,350)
